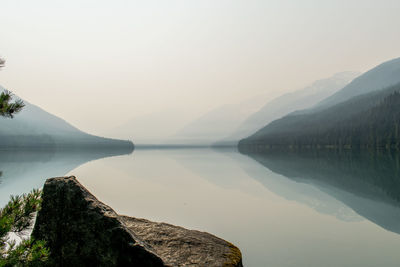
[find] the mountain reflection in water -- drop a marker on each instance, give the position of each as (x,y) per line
(23,170)
(367,182)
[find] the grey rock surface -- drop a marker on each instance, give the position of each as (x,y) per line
(178,246)
(82,231)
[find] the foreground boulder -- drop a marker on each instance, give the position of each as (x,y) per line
(82,231)
(178,246)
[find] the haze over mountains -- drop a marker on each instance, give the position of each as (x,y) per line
(176,126)
(153,128)
(322,113)
(34,127)
(365,113)
(283,105)
(380,77)
(219,122)
(230,122)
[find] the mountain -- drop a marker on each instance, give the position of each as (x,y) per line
(367,121)
(362,114)
(34,127)
(382,76)
(152,128)
(217,123)
(287,103)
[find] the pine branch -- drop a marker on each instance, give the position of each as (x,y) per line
(8,109)
(16,217)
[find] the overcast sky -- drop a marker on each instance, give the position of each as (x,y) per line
(99,63)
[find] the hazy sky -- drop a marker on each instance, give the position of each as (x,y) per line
(99,63)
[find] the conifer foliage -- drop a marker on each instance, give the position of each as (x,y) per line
(17,217)
(8,108)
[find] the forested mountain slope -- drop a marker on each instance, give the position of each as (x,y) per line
(380,77)
(34,127)
(369,120)
(300,99)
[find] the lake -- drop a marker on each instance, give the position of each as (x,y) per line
(280,209)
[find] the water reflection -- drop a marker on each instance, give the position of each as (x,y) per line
(23,170)
(263,212)
(369,183)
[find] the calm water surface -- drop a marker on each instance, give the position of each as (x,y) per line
(280,210)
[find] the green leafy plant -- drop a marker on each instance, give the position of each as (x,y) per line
(16,217)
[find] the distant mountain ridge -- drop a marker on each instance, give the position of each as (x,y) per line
(218,122)
(362,120)
(379,77)
(369,121)
(34,127)
(290,102)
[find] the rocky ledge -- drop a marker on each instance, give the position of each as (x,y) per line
(82,231)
